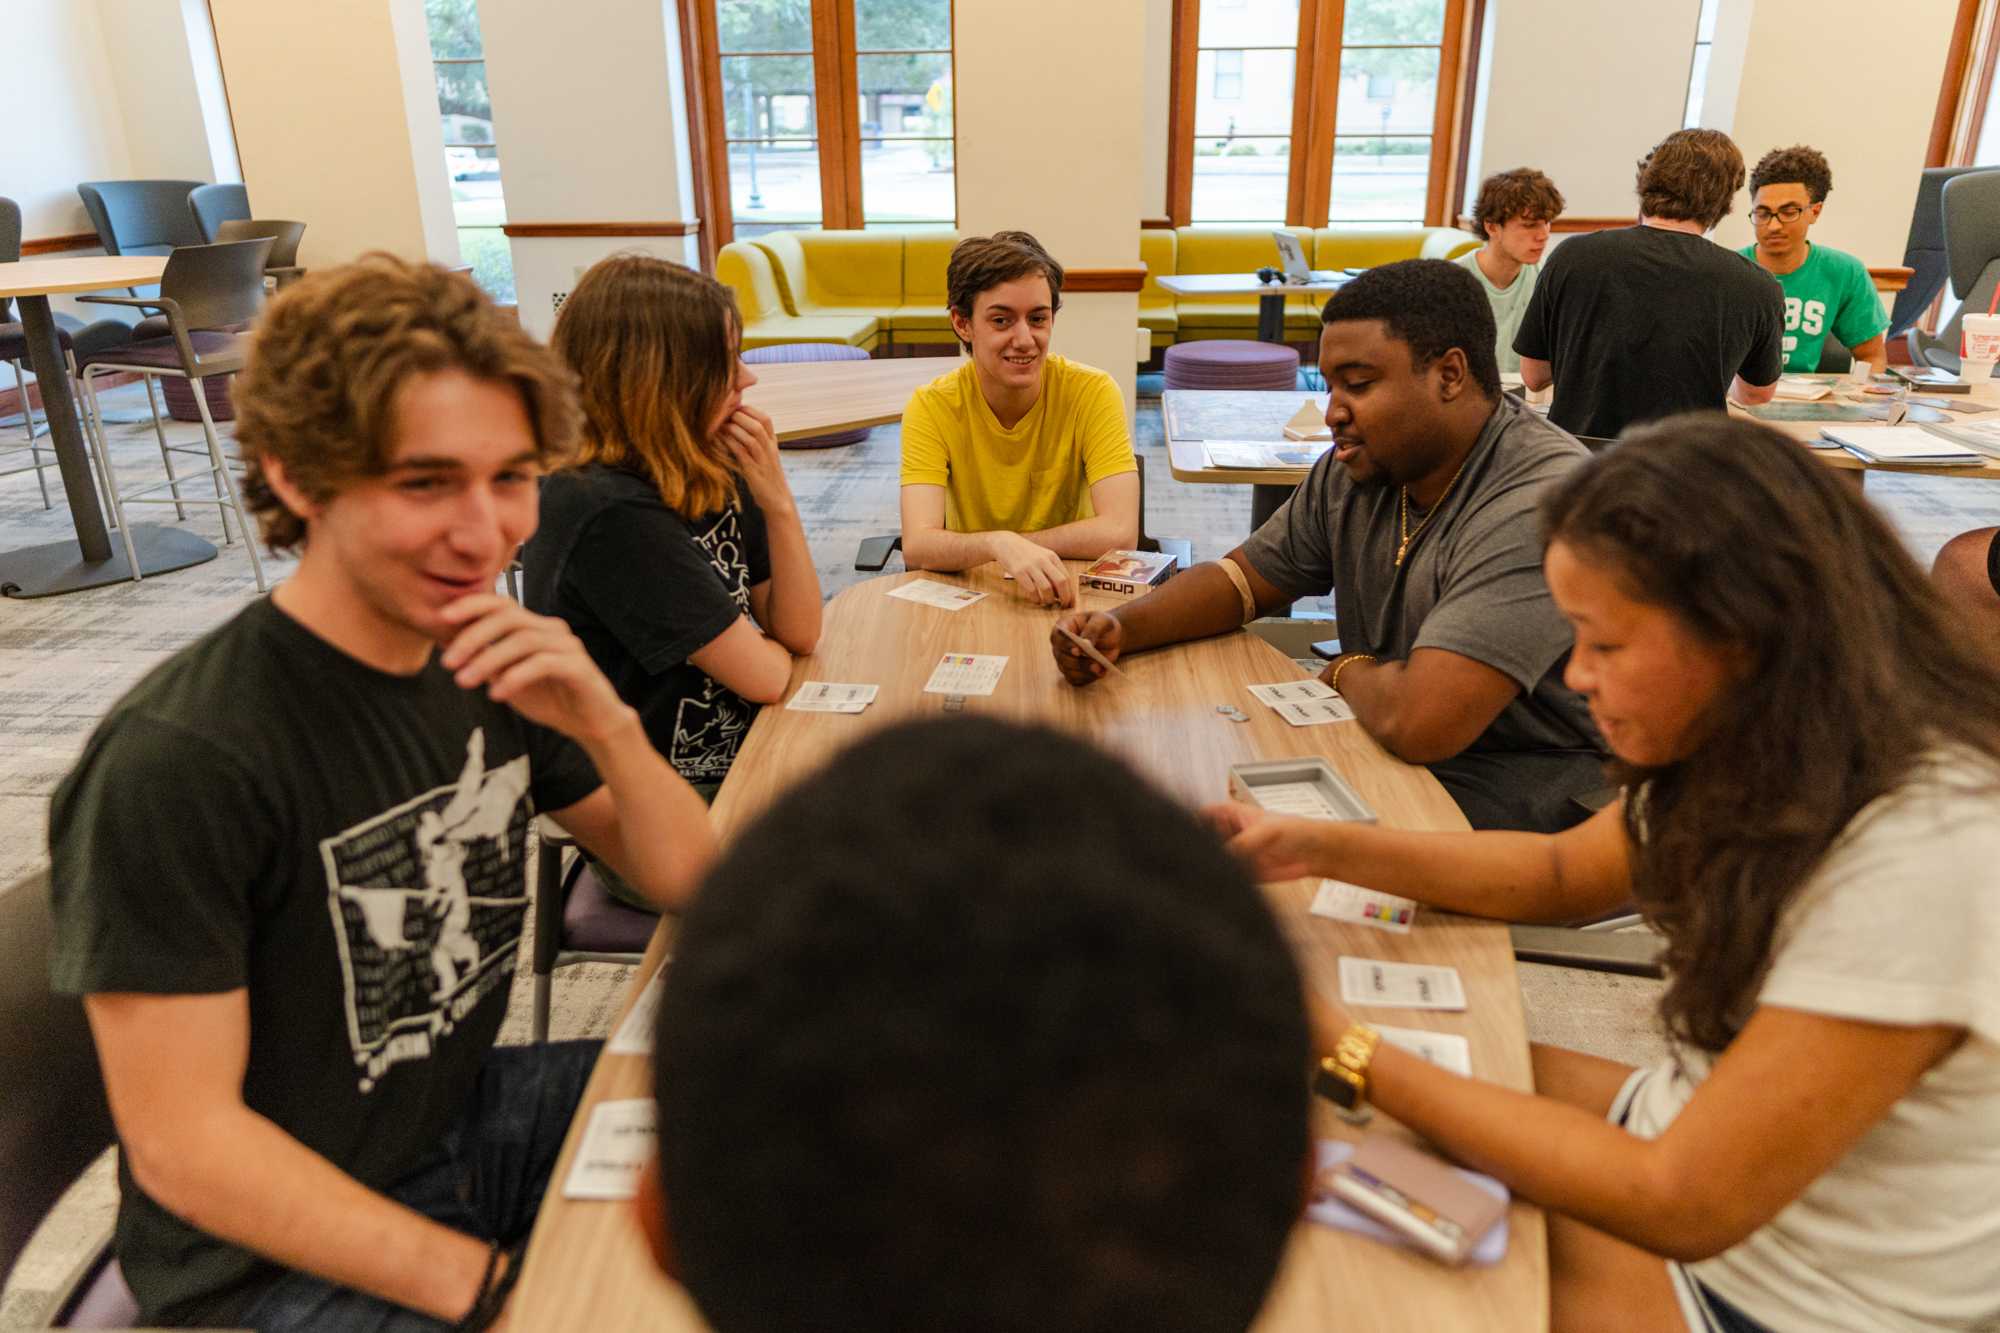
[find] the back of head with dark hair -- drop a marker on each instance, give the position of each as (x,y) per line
(981,263)
(1853,668)
(1432,305)
(975,1030)
(1797,165)
(1520,193)
(1691,176)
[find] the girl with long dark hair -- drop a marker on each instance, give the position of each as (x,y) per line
(1808,751)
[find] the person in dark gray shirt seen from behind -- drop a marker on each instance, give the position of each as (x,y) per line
(1422,521)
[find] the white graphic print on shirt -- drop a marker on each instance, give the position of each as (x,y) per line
(709,728)
(427,902)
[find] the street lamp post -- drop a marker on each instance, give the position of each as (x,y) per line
(750,120)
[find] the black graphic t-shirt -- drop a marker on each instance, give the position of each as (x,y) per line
(646,589)
(265,812)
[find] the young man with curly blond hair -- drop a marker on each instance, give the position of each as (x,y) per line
(1827,291)
(289,871)
(1513,213)
(1642,322)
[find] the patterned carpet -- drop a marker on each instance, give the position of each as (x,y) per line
(64,660)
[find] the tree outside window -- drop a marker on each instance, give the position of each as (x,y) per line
(472,160)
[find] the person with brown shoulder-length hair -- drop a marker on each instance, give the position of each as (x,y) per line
(1808,744)
(673,546)
(1641,322)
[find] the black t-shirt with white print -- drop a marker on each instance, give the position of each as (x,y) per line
(265,812)
(646,589)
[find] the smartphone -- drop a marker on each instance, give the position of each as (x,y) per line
(1421,1197)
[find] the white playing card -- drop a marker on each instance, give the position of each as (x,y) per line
(616,1145)
(1400,985)
(944,596)
(966,673)
(819,696)
(1338,900)
(1286,691)
(1444,1049)
(635,1034)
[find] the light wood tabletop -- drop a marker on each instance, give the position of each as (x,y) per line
(1260,415)
(1240,284)
(1190,416)
(805,398)
(586,1268)
(91,273)
(1987,395)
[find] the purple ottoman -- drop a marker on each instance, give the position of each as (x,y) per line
(786,352)
(1231,364)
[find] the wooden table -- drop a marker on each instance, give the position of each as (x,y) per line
(1987,394)
(1270,295)
(1260,415)
(586,1267)
(90,560)
(1190,416)
(806,398)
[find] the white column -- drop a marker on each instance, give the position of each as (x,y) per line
(1829,74)
(590,113)
(1050,101)
(337,123)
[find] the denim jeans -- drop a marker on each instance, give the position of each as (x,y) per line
(486,1177)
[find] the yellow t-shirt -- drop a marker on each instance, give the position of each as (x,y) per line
(1037,475)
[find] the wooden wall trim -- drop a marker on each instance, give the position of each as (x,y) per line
(1461,182)
(1566,224)
(1445,124)
(543,230)
(1950,92)
(1891,277)
(695,89)
(1103,279)
(1180,112)
(1156,224)
(50,245)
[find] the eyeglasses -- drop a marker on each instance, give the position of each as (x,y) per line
(1786,213)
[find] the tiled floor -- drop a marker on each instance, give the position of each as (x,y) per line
(64,660)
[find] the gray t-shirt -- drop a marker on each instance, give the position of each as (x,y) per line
(1472,582)
(1509,304)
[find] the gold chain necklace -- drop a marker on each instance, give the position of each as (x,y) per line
(1403,511)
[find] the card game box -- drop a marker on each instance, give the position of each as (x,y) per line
(1128,571)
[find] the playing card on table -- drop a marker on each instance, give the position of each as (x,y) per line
(1340,901)
(819,696)
(1400,985)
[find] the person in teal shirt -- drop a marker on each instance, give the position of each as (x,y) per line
(1826,290)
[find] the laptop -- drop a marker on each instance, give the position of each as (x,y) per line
(1292,258)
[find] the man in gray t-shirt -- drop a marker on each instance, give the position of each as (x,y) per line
(1422,520)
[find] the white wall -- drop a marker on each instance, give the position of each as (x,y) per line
(337,124)
(1157,79)
(151,54)
(1581,90)
(1826,73)
(590,113)
(60,103)
(1049,133)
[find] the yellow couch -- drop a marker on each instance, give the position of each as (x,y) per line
(747,270)
(879,288)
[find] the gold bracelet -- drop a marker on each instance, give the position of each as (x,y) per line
(1343,664)
(1242,589)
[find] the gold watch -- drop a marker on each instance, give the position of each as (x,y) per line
(1342,1078)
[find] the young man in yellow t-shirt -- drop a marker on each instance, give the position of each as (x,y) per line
(1017,456)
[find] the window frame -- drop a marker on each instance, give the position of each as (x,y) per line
(1315,111)
(836,115)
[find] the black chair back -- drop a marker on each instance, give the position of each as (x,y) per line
(10,245)
(217,286)
(54,1120)
(141,217)
(284,237)
(213,205)
(1924,253)
(1971,227)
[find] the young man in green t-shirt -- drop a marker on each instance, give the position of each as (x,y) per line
(1826,290)
(1514,211)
